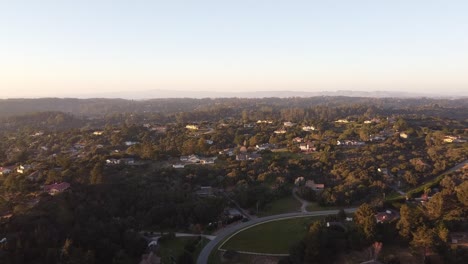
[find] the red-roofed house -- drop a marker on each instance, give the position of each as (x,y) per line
(56,188)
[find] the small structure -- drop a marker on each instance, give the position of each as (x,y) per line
(56,188)
(315,186)
(233,213)
(264,122)
(228,151)
(387,216)
(98,133)
(205,191)
(307,147)
(280,131)
(459,239)
(403,135)
(5,171)
(343,121)
(178,166)
(247,156)
(192,127)
(208,160)
(265,146)
(131,143)
(190,159)
(23,168)
(288,124)
(308,128)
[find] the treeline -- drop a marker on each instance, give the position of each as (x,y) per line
(102,107)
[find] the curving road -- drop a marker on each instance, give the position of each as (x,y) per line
(232,230)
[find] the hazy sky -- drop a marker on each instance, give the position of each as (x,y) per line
(55,48)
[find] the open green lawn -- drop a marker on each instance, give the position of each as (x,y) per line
(175,247)
(284,205)
(272,237)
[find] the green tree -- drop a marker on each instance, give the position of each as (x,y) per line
(365,219)
(406,221)
(462,193)
(423,239)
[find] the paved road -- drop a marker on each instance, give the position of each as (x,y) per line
(205,253)
(303,202)
(454,168)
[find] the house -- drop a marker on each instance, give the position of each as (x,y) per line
(288,124)
(403,135)
(23,168)
(112,161)
(130,143)
(350,143)
(387,216)
(280,131)
(247,156)
(98,133)
(192,127)
(190,159)
(233,213)
(205,191)
(384,171)
(127,161)
(459,239)
(34,176)
(297,139)
(5,171)
(208,160)
(343,121)
(56,188)
(264,122)
(306,147)
(299,181)
(159,129)
(228,151)
(315,186)
(264,146)
(308,128)
(38,134)
(178,166)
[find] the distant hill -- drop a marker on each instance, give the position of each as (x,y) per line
(151,94)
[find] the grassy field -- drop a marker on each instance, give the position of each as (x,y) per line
(272,237)
(173,248)
(284,205)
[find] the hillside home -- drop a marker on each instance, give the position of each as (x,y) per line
(315,186)
(56,188)
(5,171)
(308,128)
(23,168)
(387,216)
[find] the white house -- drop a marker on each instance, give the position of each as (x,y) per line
(308,128)
(280,131)
(5,171)
(23,168)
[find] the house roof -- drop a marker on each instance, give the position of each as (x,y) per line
(60,187)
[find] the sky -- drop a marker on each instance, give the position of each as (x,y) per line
(68,47)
